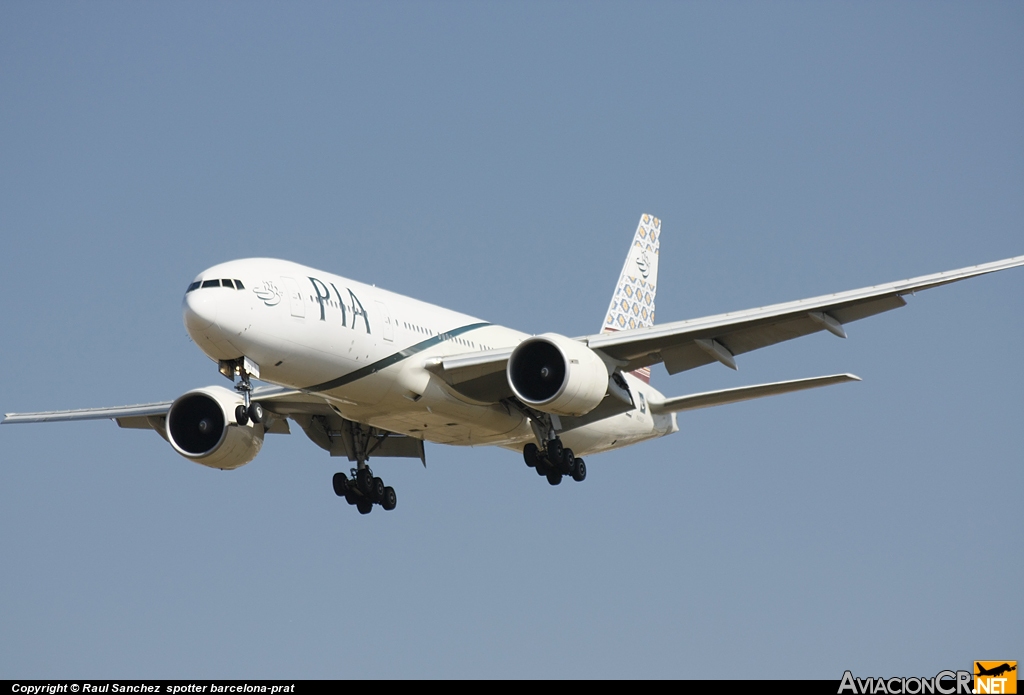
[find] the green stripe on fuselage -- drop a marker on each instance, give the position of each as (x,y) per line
(394,359)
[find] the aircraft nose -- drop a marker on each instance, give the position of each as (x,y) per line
(199,311)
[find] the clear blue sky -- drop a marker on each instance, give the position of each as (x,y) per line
(494,158)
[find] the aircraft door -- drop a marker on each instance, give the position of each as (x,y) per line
(294,297)
(387,328)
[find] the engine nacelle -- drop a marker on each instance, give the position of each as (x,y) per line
(557,375)
(201,426)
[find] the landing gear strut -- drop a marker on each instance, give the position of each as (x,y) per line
(243,367)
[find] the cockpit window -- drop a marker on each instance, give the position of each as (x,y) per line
(233,284)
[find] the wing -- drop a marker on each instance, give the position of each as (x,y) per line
(125,415)
(687,344)
(325,427)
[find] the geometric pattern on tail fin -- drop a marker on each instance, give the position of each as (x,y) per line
(632,304)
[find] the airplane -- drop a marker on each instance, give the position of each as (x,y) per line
(995,671)
(368,373)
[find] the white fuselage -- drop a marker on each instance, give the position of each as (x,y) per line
(363,349)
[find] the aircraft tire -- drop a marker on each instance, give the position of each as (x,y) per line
(390,500)
(377,491)
(554,478)
(364,481)
(531,454)
(568,460)
(579,470)
(364,506)
(241,416)
(340,483)
(555,450)
(256,412)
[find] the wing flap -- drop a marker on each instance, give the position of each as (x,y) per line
(768,333)
(862,310)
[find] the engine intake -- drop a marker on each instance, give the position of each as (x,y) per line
(201,427)
(557,375)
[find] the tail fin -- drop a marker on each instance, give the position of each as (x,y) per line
(632,304)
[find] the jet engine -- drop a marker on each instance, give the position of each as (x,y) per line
(558,375)
(201,426)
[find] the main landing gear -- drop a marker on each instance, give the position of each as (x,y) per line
(363,490)
(554,462)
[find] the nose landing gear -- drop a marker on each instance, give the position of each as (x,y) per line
(254,412)
(243,367)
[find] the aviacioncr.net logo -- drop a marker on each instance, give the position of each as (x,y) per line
(943,683)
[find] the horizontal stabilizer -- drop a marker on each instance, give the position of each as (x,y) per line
(746,393)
